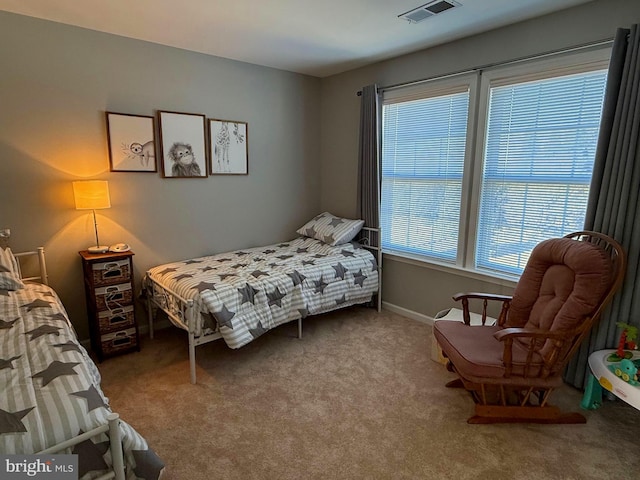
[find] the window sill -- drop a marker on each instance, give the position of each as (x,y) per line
(496,279)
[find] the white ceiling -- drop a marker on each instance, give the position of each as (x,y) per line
(319,37)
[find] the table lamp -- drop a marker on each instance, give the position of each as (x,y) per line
(92,195)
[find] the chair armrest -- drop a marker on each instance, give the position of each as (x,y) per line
(488,296)
(534,339)
(485,297)
(514,332)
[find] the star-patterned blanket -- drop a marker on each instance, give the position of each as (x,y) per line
(245,293)
(50,388)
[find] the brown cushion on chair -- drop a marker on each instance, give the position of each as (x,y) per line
(470,348)
(562,284)
(477,354)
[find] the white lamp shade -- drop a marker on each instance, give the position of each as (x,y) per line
(91,194)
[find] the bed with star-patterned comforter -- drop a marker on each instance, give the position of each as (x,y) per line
(243,294)
(50,388)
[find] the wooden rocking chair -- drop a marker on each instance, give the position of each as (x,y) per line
(511,368)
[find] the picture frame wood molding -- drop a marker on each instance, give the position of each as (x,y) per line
(183,144)
(132,143)
(229,140)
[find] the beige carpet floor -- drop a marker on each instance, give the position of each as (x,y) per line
(357,398)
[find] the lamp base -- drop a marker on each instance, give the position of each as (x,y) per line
(98,249)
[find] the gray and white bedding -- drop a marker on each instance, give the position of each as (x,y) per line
(50,388)
(243,294)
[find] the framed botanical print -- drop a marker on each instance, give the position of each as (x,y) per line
(183,144)
(229,147)
(131,142)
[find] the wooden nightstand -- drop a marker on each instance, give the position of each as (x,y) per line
(109,288)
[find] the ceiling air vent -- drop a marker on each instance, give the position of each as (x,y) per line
(428,10)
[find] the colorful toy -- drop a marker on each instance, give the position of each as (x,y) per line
(627,341)
(626,370)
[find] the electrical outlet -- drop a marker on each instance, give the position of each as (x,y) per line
(5,233)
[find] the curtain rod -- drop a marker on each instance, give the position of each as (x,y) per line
(491,65)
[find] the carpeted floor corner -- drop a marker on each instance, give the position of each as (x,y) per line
(358,397)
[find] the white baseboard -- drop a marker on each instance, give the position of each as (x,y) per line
(405,312)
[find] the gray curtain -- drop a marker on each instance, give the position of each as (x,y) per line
(613,199)
(368,169)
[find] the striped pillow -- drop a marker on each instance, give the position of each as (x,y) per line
(330,229)
(9,273)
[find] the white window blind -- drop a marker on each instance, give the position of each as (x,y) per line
(423,155)
(539,151)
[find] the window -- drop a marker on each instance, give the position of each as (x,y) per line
(423,151)
(480,195)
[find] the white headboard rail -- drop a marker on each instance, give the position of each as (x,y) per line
(42,265)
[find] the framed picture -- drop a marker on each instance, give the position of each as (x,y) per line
(229,147)
(183,143)
(131,142)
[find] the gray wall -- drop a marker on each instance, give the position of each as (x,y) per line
(420,288)
(56,83)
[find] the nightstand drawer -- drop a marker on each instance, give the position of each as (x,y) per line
(116,319)
(115,271)
(113,296)
(116,341)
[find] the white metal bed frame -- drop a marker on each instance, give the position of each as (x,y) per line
(369,239)
(184,309)
(115,445)
(43,277)
(113,426)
